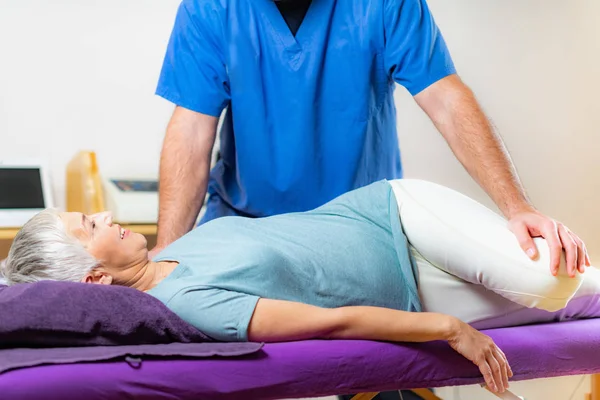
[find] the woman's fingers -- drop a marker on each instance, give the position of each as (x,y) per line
(497,370)
(486,371)
(510,373)
(505,368)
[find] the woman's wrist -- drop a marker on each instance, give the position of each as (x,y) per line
(451,327)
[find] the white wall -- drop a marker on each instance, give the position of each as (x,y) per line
(81,75)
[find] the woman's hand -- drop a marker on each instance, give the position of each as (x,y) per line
(483,352)
(282,321)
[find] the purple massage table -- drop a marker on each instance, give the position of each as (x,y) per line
(313,368)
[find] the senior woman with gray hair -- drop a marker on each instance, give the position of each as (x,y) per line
(401,260)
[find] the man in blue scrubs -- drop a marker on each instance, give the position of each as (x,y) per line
(308,91)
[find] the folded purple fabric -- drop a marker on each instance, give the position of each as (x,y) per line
(68,314)
(20,358)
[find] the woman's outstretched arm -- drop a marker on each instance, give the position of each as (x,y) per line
(280,321)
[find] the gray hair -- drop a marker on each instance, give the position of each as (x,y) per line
(43,250)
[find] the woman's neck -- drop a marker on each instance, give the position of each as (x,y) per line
(151,275)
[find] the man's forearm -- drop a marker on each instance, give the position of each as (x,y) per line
(456,113)
(184,171)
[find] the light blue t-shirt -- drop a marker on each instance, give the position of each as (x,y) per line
(311,116)
(351,251)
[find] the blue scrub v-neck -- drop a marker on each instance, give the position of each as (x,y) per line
(311,116)
(302,39)
(293,12)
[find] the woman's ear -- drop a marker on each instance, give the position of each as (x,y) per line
(98,278)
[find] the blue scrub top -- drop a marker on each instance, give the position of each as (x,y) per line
(310,116)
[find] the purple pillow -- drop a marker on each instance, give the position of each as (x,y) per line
(68,314)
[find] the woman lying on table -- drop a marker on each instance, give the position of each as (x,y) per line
(363,266)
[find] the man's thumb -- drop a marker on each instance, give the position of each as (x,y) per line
(525,240)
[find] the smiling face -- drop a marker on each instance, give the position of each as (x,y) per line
(117,249)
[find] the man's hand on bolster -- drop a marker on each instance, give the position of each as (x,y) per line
(530,223)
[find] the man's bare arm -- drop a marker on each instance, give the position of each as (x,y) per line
(184,171)
(456,113)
